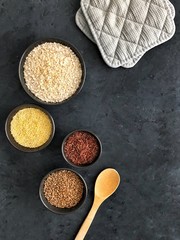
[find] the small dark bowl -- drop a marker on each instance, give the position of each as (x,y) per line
(30,48)
(62,210)
(83,165)
(12,140)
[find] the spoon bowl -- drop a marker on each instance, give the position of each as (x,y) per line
(106,183)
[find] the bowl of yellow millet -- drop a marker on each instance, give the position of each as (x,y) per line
(29,128)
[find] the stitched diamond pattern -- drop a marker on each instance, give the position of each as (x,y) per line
(126,29)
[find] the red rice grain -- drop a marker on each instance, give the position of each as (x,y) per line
(81,148)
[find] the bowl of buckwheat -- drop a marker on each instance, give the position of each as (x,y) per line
(63,190)
(52,71)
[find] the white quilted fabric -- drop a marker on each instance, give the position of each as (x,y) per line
(125,29)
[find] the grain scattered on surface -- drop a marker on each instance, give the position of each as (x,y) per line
(63,189)
(31,127)
(52,72)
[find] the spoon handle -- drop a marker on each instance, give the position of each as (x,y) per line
(87,222)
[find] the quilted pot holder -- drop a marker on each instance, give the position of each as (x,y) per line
(83,25)
(125,29)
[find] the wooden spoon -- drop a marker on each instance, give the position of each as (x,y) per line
(106,184)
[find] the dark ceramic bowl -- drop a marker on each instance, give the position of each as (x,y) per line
(62,210)
(10,137)
(30,48)
(83,165)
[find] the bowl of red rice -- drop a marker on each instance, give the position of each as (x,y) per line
(81,148)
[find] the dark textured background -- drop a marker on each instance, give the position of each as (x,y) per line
(135,112)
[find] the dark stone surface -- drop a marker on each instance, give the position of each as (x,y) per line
(135,112)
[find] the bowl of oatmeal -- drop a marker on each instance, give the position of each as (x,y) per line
(52,71)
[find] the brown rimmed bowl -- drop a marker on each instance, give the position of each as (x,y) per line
(82,165)
(30,48)
(62,210)
(12,140)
